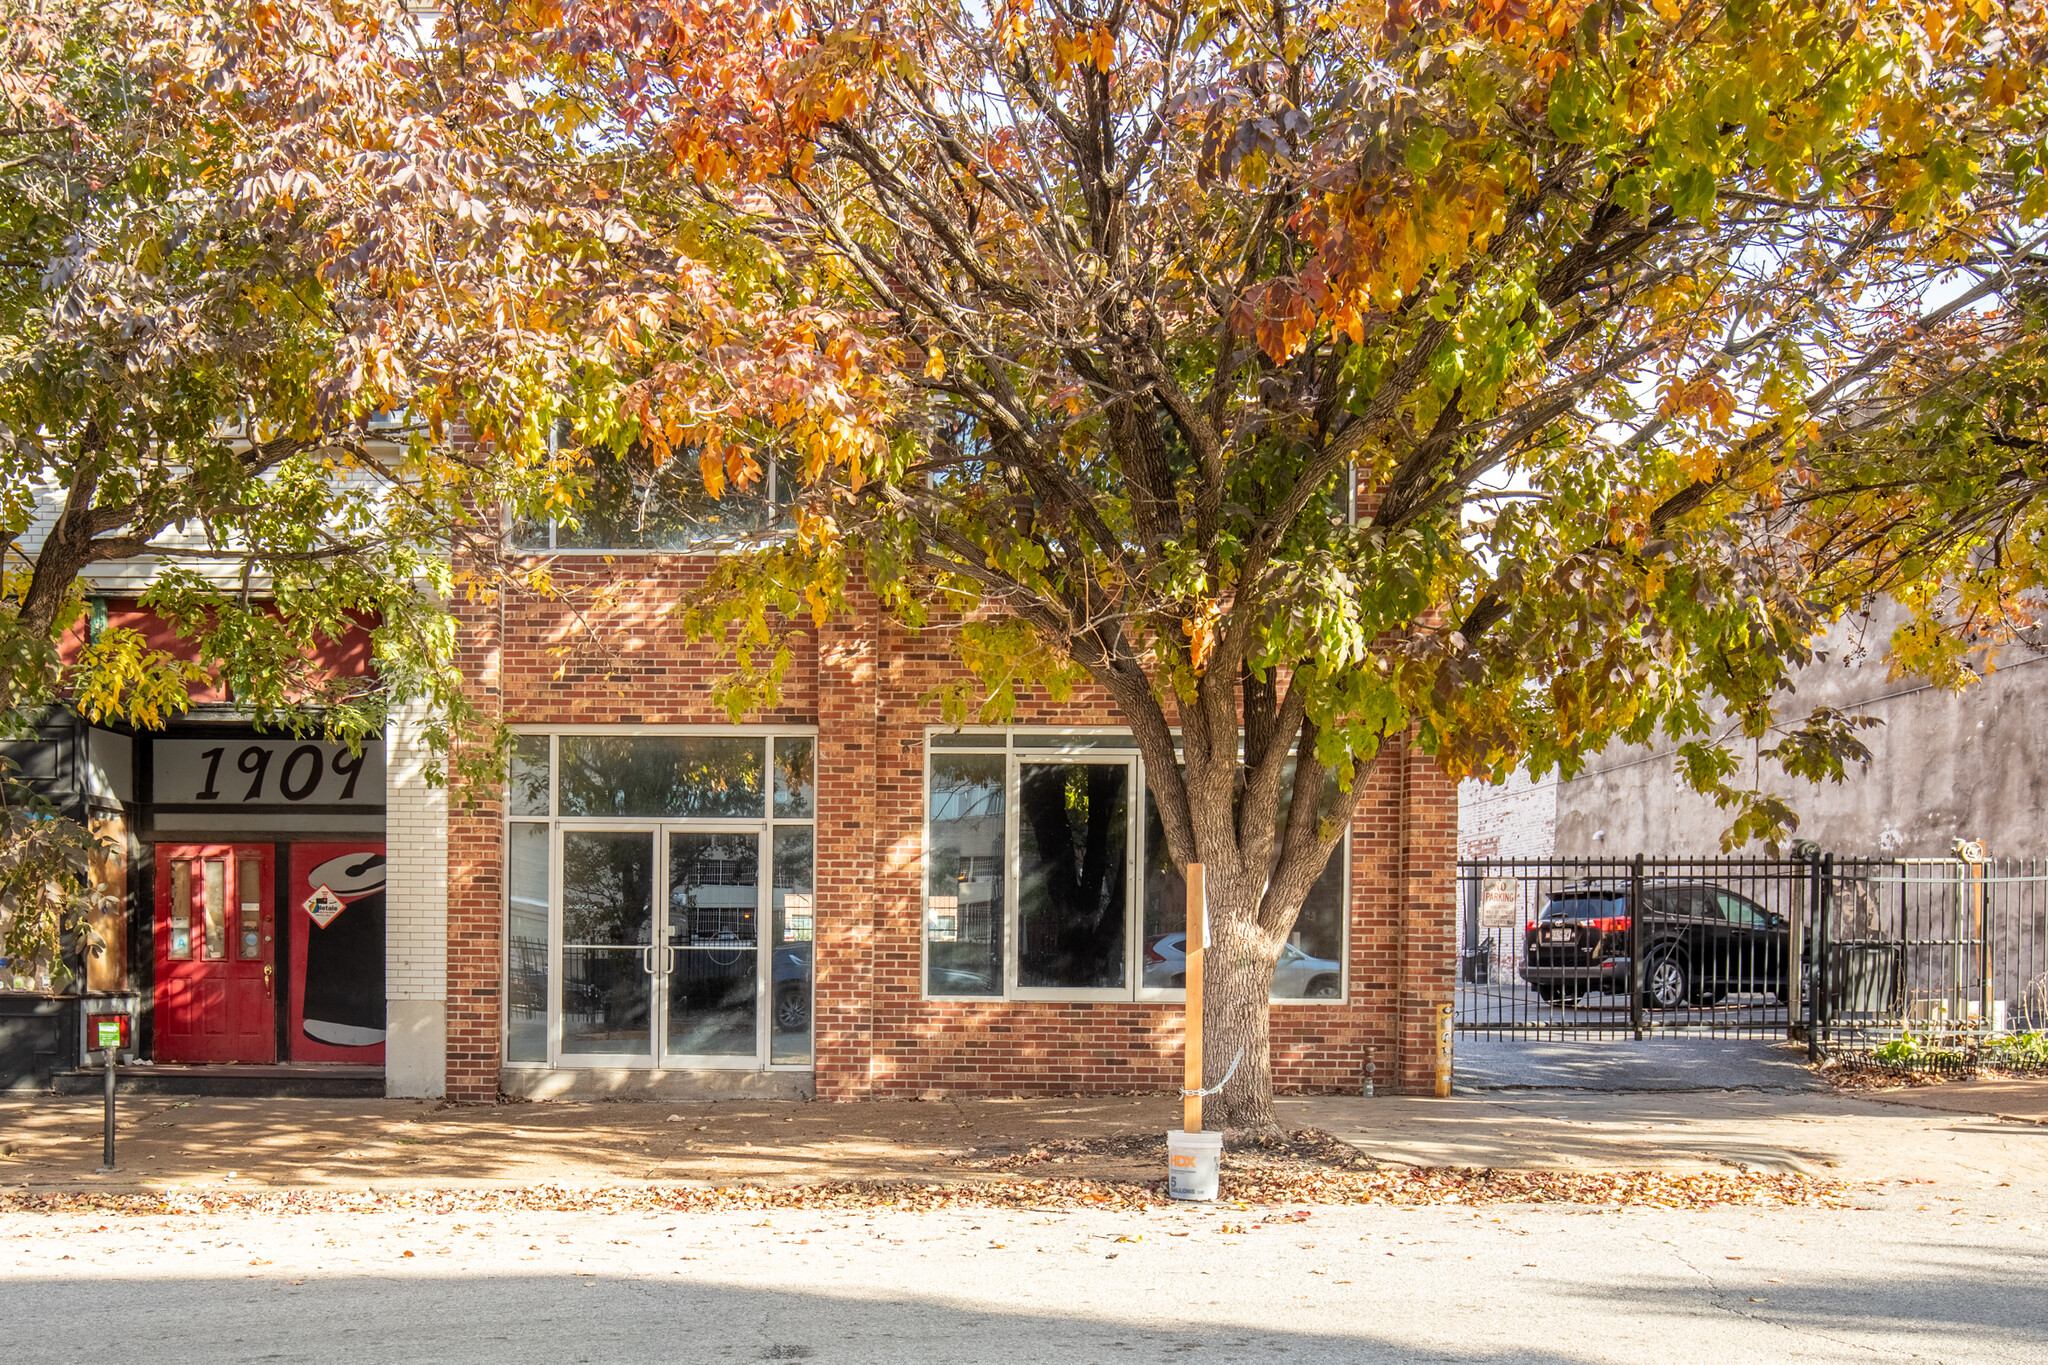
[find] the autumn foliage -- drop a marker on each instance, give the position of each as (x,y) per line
(1516,378)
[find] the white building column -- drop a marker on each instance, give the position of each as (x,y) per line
(416,912)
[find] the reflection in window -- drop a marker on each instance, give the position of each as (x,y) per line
(607,915)
(790,951)
(663,775)
(964,875)
(526,945)
(793,780)
(180,947)
(714,901)
(1074,837)
(528,785)
(1311,962)
(215,910)
(636,501)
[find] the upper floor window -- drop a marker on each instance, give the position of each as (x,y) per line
(632,500)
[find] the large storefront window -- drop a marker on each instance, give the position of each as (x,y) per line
(1098,909)
(636,912)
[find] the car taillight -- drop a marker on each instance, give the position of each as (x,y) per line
(1153,954)
(1532,926)
(1615,924)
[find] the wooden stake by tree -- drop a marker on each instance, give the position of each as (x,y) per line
(1197,940)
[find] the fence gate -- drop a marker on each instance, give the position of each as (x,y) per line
(1589,947)
(1848,954)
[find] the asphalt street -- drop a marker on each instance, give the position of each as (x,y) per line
(1921,1272)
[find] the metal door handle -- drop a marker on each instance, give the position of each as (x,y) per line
(647,959)
(268,972)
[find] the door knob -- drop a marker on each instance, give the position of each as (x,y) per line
(268,972)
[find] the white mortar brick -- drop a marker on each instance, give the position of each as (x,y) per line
(416,854)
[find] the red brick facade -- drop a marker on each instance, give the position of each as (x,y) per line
(863,683)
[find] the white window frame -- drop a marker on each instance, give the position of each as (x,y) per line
(1085,746)
(659,828)
(1134,866)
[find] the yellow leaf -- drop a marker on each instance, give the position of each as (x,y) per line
(935,364)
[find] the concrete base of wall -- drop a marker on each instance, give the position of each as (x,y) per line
(415,1049)
(629,1083)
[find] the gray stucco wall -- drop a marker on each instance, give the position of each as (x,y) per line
(1944,766)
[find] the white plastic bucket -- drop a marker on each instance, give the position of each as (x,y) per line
(1193,1164)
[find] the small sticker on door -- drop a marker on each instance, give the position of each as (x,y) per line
(323,905)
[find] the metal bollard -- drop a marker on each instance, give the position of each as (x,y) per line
(107,1134)
(1443,1052)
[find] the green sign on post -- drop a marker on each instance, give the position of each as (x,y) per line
(108,1034)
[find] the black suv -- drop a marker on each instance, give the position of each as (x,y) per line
(1700,943)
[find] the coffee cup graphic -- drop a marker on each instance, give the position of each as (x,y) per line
(344,985)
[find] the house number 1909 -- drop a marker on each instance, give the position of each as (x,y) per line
(298,777)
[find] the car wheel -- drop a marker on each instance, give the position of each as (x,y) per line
(792,1009)
(1666,982)
(1323,988)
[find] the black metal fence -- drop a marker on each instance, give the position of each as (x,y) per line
(1930,960)
(1589,947)
(1890,958)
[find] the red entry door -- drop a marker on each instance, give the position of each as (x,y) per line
(215,953)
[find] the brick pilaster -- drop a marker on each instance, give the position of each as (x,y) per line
(844,1013)
(476,873)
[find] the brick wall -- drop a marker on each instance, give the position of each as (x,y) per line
(416,862)
(1517,819)
(476,870)
(415,911)
(864,682)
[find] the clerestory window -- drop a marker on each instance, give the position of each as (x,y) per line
(630,501)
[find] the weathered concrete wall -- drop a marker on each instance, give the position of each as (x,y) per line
(1944,766)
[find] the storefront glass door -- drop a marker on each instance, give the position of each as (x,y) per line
(608,958)
(711,972)
(685,989)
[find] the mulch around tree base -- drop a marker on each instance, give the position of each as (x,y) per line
(1304,1168)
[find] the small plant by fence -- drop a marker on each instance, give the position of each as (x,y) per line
(1936,959)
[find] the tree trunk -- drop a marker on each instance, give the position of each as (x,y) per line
(1237,986)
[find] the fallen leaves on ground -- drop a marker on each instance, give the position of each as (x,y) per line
(1397,1186)
(1875,1076)
(1303,1150)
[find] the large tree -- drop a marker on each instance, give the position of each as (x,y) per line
(260,263)
(1319,378)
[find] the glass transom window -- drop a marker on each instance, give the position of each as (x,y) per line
(1047,877)
(628,500)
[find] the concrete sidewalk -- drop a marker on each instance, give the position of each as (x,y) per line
(1621,1064)
(1853,1137)
(1946,1132)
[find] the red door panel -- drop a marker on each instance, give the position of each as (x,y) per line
(337,968)
(215,953)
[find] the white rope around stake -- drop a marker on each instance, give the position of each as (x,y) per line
(1190,1094)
